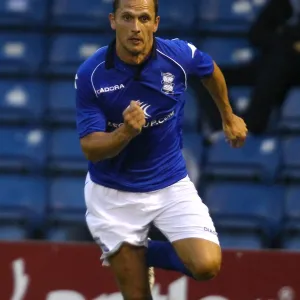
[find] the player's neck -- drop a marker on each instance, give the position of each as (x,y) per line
(128,58)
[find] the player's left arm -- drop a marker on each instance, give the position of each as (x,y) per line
(234,127)
(203,66)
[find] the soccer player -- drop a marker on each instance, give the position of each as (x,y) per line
(128,116)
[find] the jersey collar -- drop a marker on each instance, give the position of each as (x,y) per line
(110,54)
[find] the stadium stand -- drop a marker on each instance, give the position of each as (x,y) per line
(243,210)
(191,109)
(290,117)
(65,155)
(21,101)
(22,205)
(240,97)
(259,159)
(252,192)
(61,104)
(67,52)
(231,52)
(28,13)
(171,12)
(227,15)
(90,14)
(21,53)
(65,209)
(19,149)
(291,227)
(290,166)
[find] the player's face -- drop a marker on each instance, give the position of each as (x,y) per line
(135,23)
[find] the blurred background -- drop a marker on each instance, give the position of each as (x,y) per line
(253,193)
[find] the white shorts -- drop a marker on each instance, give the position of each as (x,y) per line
(114,217)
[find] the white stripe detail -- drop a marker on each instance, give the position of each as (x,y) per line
(93,75)
(193,48)
(100,48)
(185,76)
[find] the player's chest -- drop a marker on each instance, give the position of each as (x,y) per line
(157,88)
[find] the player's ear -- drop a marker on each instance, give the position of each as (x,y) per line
(112,21)
(156,23)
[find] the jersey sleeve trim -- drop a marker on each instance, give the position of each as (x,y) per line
(193,48)
(93,76)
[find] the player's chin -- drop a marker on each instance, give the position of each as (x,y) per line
(136,49)
(135,52)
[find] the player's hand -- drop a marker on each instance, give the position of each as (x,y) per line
(134,119)
(235,131)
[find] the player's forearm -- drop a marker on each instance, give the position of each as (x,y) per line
(104,145)
(217,88)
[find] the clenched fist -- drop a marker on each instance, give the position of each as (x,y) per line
(134,119)
(235,131)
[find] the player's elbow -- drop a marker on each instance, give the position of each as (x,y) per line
(89,155)
(88,150)
(93,153)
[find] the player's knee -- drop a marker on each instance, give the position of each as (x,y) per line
(206,269)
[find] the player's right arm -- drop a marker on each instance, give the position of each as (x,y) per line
(97,144)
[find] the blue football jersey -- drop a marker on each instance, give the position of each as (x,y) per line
(105,85)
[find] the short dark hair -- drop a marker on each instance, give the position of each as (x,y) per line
(117,2)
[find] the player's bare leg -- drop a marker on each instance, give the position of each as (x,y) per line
(202,257)
(129,267)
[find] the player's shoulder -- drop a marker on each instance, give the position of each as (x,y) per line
(175,48)
(95,61)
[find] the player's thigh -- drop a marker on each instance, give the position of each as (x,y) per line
(129,267)
(114,218)
(186,222)
(202,257)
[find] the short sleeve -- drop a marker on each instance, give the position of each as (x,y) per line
(201,64)
(89,116)
(195,62)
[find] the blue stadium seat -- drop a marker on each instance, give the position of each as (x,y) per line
(290,118)
(22,13)
(191,111)
(258,160)
(292,242)
(22,201)
(193,143)
(291,228)
(245,208)
(176,14)
(75,231)
(21,101)
(66,204)
(290,165)
(59,233)
(226,15)
(13,233)
(92,14)
(65,154)
(228,52)
(61,105)
(20,53)
(240,97)
(193,153)
(292,208)
(22,149)
(240,240)
(69,51)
